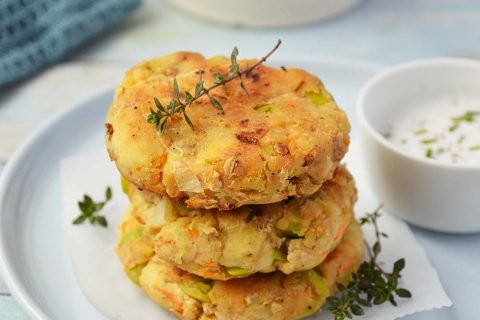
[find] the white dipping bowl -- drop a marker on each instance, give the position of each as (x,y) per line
(425,192)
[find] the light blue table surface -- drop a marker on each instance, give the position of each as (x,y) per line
(379,31)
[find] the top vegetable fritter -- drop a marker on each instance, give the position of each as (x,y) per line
(283,139)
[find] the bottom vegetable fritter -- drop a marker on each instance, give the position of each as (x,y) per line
(257,297)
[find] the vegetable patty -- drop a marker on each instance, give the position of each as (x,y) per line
(285,138)
(274,296)
(289,236)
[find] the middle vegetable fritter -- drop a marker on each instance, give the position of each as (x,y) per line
(291,235)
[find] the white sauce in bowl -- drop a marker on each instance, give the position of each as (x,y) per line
(443,129)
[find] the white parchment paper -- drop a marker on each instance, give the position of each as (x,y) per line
(100,276)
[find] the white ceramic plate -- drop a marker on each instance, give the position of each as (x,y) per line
(33,254)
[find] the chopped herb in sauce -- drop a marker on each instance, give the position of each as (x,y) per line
(454,127)
(420,132)
(469,116)
(429,153)
(447,130)
(429,141)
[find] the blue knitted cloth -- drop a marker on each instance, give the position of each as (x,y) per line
(37,33)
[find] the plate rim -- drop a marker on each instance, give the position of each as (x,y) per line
(9,275)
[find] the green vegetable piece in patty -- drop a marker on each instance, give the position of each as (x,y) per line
(318,283)
(196,289)
(124,184)
(134,273)
(265,108)
(131,235)
(291,231)
(237,271)
(317,98)
(278,255)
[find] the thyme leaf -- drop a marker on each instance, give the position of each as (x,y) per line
(89,210)
(370,285)
(176,106)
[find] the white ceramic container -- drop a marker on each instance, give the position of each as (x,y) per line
(428,193)
(265,13)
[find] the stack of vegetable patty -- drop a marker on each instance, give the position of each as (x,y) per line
(248,215)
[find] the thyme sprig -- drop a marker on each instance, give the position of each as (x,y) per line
(177,106)
(89,209)
(371,284)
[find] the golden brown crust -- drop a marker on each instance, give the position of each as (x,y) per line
(285,139)
(273,296)
(291,235)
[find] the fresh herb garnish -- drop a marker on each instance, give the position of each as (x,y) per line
(454,127)
(370,285)
(429,153)
(176,106)
(420,132)
(461,139)
(429,141)
(89,210)
(468,116)
(475,148)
